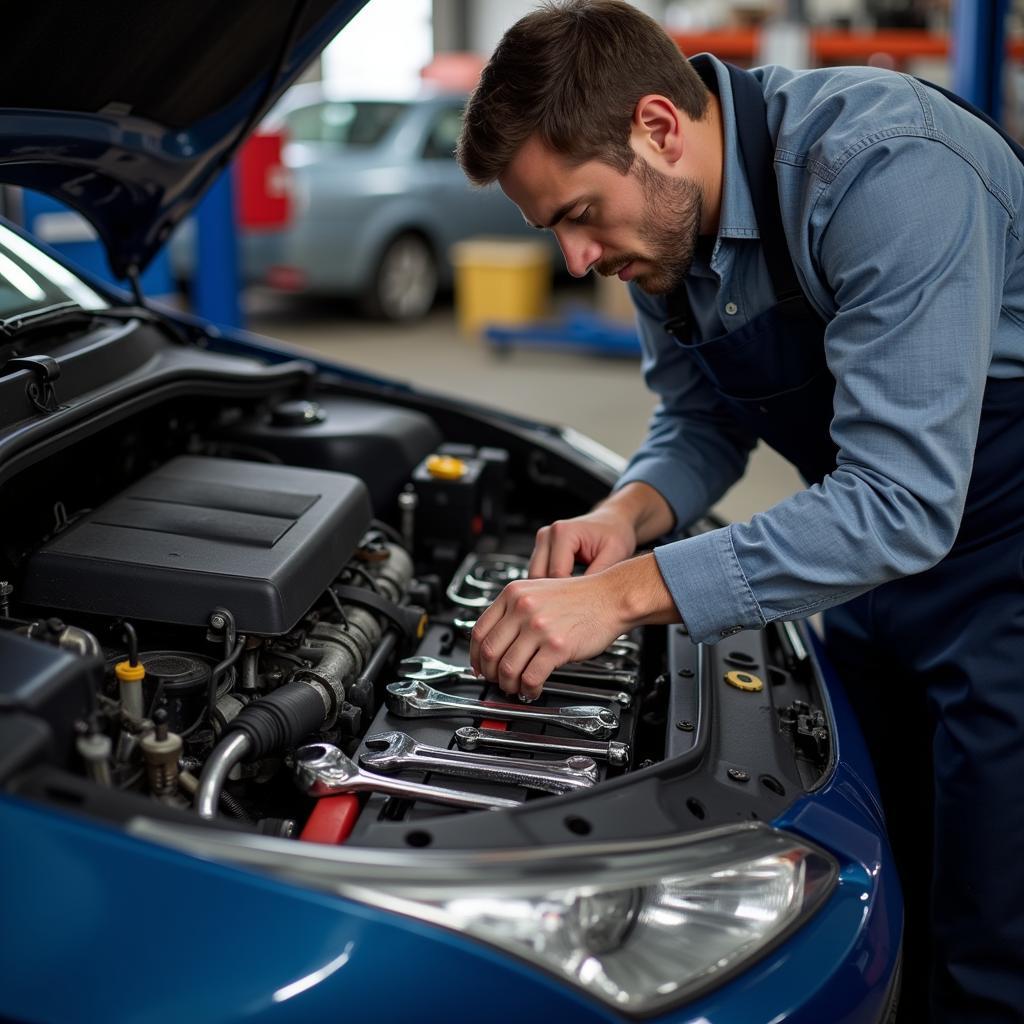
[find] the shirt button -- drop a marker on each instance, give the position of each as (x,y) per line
(731,308)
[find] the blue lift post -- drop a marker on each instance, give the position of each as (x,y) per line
(69,233)
(216,282)
(979,47)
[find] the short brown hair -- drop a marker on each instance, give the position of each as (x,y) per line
(572,72)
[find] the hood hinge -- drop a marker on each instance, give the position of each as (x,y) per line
(40,390)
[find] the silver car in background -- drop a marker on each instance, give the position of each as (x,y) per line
(378,199)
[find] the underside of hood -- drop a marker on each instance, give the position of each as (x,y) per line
(127,111)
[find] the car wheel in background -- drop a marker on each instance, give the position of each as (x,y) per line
(404,285)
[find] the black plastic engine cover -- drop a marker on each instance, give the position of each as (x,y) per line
(376,442)
(261,540)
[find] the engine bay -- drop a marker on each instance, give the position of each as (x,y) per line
(255,613)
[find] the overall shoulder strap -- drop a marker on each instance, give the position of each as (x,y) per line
(756,154)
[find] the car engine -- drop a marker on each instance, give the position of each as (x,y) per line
(255,613)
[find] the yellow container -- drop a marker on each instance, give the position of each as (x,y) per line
(500,281)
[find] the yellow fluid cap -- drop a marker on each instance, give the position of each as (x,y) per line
(446,467)
(421,626)
(744,681)
(129,673)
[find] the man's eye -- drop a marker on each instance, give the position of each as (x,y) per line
(581,218)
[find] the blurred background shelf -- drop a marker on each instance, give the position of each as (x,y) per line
(828,46)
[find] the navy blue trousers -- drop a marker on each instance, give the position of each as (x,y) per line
(934,667)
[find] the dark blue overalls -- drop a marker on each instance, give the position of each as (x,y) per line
(929,661)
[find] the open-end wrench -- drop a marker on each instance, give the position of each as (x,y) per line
(413,699)
(426,669)
(470,737)
(398,751)
(321,769)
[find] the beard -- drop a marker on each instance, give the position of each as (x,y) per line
(670,228)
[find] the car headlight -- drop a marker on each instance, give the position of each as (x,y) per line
(638,925)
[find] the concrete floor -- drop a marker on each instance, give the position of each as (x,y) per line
(602,397)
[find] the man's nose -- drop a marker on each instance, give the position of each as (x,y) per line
(580,252)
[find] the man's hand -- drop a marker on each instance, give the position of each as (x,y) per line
(536,625)
(602,537)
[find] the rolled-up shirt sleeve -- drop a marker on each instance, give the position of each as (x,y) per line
(694,449)
(914,247)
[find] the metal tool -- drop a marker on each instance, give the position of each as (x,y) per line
(464,626)
(796,641)
(480,578)
(321,769)
(557,689)
(471,737)
(624,645)
(613,658)
(408,501)
(398,751)
(426,669)
(413,699)
(579,672)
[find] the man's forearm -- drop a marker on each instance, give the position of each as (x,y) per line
(643,597)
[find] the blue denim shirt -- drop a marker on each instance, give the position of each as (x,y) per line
(902,214)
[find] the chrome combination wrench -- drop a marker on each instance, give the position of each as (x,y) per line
(471,737)
(321,769)
(414,699)
(398,751)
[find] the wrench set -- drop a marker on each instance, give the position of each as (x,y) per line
(591,697)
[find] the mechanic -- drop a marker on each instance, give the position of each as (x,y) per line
(829,261)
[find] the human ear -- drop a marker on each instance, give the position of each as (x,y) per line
(657,129)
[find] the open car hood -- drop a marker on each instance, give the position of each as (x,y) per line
(127,111)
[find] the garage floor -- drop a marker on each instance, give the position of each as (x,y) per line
(602,397)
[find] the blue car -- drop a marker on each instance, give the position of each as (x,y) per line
(244,772)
